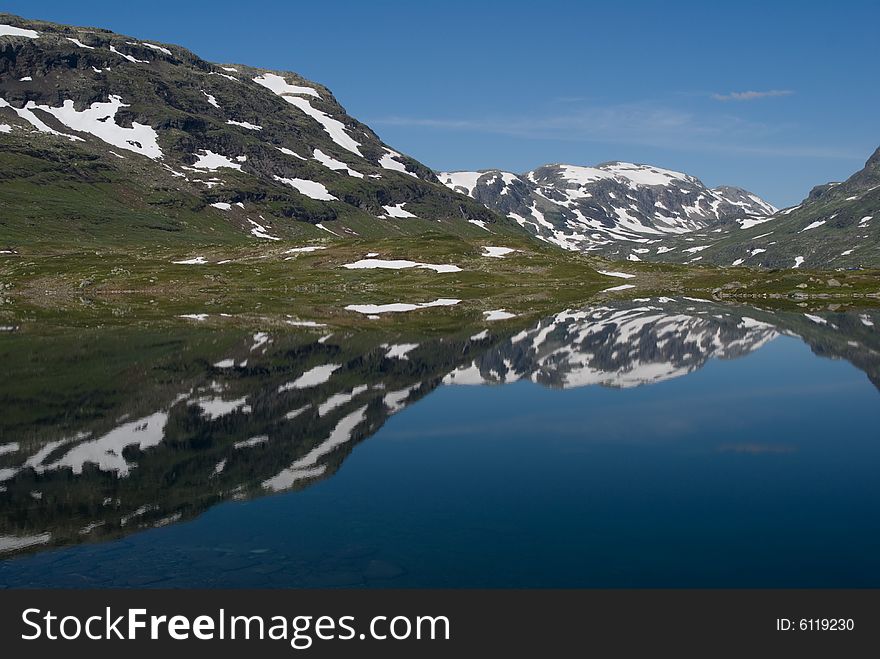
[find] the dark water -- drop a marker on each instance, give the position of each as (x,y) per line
(641,444)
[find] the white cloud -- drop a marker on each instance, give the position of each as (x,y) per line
(644,124)
(752,95)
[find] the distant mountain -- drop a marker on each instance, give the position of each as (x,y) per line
(112,138)
(594,208)
(836,226)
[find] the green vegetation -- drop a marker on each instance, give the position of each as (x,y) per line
(265,283)
(837,227)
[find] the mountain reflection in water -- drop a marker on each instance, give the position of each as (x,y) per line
(108,432)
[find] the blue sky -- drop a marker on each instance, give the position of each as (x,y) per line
(467,85)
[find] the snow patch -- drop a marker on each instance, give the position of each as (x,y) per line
(99,120)
(253,441)
(466,181)
(304,323)
(749,222)
(155,47)
(497,252)
(323,228)
(397,211)
(286,151)
(621,275)
(338,400)
(12,31)
(387,161)
(80,43)
(210,161)
(333,127)
(337,165)
(307,466)
(10,543)
(107,452)
(215,408)
(278,85)
(397,307)
(311,378)
(309,188)
(812,225)
(133,60)
(260,231)
(498,314)
(244,124)
(300,250)
(398,264)
(399,350)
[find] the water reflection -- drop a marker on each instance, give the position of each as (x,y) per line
(617,347)
(107,432)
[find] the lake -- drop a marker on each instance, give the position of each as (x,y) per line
(653,443)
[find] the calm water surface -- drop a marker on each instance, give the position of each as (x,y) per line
(635,444)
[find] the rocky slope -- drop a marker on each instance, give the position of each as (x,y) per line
(105,137)
(836,226)
(613,204)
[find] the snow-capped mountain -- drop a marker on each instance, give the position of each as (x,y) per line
(95,124)
(589,208)
(836,226)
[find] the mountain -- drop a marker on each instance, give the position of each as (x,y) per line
(836,226)
(110,138)
(107,139)
(594,208)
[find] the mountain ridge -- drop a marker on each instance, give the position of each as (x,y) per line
(588,208)
(170,143)
(110,139)
(837,225)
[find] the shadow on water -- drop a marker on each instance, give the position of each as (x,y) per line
(105,433)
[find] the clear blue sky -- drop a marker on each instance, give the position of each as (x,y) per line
(466,85)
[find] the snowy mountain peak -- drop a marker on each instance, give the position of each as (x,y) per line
(588,207)
(632,174)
